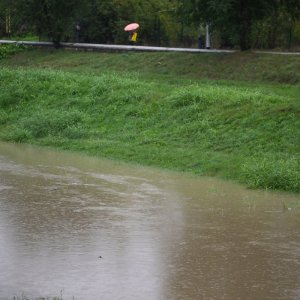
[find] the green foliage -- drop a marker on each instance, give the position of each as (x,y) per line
(98,22)
(10,49)
(233,17)
(159,24)
(246,66)
(3,117)
(279,29)
(243,23)
(230,129)
(49,18)
(50,122)
(18,135)
(272,172)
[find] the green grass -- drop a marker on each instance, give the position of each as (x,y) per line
(104,104)
(174,67)
(11,49)
(26,37)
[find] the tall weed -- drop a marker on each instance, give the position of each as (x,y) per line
(204,128)
(271,172)
(11,49)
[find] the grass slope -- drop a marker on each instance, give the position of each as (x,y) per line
(254,67)
(233,129)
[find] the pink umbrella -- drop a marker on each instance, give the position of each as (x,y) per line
(132,27)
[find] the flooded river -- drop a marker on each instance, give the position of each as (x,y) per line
(83,228)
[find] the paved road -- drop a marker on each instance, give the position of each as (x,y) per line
(105,47)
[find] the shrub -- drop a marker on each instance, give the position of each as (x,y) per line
(270,172)
(10,49)
(17,134)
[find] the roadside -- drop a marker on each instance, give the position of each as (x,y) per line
(115,47)
(135,48)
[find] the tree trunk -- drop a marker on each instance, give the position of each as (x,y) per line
(244,37)
(244,28)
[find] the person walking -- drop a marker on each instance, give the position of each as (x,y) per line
(132,38)
(77,32)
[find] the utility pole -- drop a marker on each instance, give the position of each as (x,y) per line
(207,37)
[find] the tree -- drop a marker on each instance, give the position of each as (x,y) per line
(98,19)
(157,19)
(50,18)
(235,16)
(291,8)
(6,11)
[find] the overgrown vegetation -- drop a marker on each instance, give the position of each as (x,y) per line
(241,24)
(232,129)
(175,68)
(10,49)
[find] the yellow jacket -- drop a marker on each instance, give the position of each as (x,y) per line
(134,37)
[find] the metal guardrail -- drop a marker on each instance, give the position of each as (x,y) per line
(105,47)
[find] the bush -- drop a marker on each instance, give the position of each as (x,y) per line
(17,134)
(270,172)
(10,49)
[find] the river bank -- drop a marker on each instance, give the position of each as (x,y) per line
(232,116)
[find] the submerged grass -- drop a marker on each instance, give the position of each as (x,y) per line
(249,133)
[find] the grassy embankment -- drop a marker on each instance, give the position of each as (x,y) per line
(236,116)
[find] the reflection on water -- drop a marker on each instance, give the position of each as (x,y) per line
(96,229)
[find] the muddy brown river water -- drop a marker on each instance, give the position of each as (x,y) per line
(84,228)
